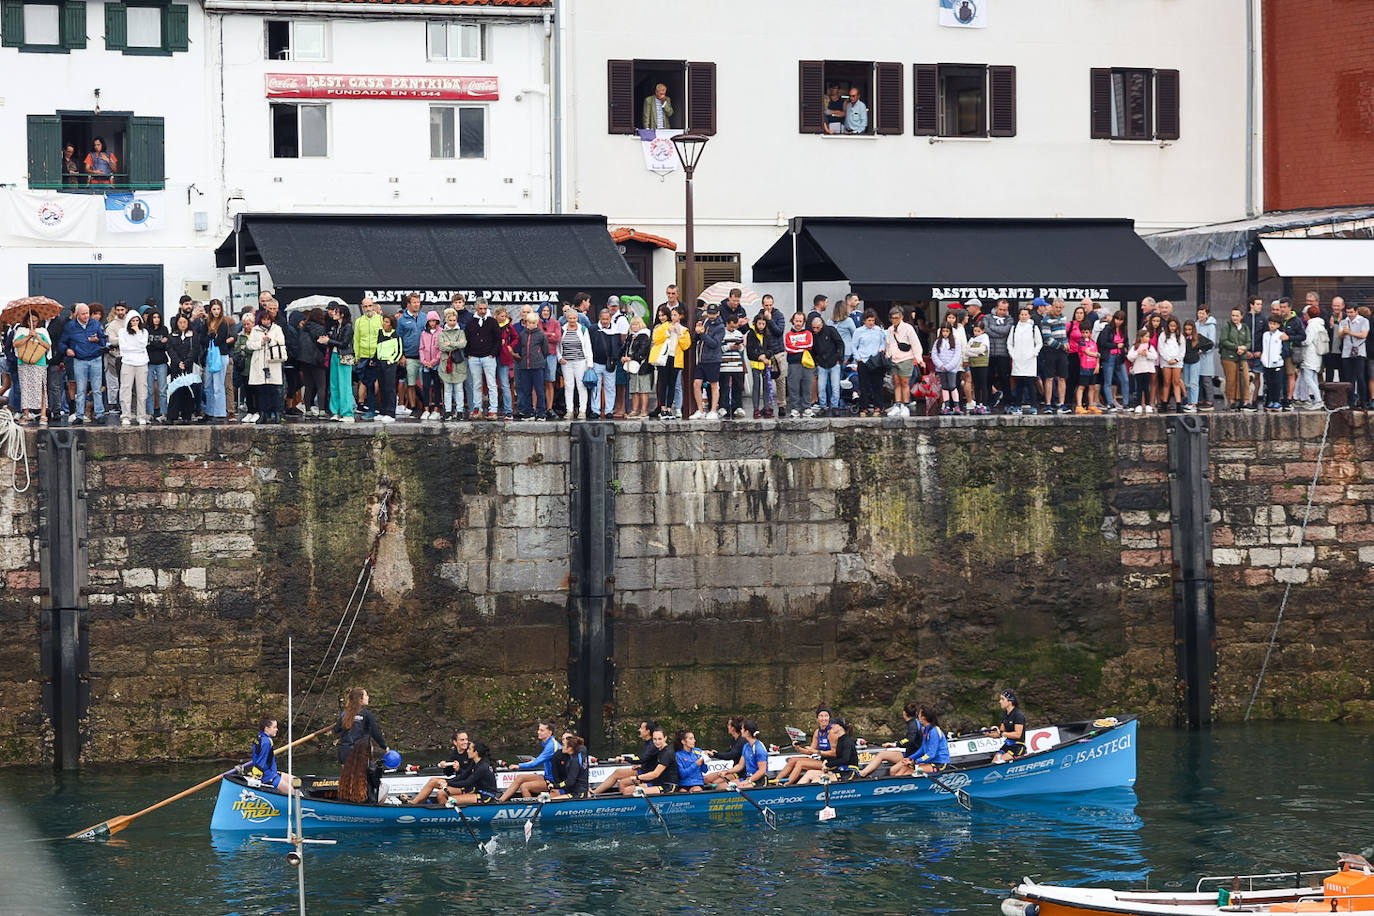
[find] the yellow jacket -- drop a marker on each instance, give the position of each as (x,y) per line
(684,341)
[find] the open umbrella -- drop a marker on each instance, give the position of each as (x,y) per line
(17,311)
(719,292)
(185,380)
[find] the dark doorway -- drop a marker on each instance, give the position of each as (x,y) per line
(107,283)
(639,257)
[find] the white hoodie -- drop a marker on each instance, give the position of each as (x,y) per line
(1023,346)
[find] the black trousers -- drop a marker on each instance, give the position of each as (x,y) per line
(316,387)
(731,390)
(870,387)
(667,386)
(386,388)
(999,374)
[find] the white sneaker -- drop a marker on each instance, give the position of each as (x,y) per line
(314,411)
(906,410)
(892,411)
(402,411)
(248,418)
(142,421)
(346,419)
(1149,409)
(794,413)
(385,419)
(699,415)
(712,415)
(125,422)
(1139,408)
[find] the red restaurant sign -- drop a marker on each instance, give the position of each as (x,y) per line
(358,86)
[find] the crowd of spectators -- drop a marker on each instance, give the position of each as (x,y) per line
(576,361)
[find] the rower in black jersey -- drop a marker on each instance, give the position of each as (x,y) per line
(573,772)
(733,725)
(479,784)
(1013,730)
(844,763)
(456,771)
(620,777)
(662,776)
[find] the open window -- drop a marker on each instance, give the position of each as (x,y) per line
(827,90)
(689,101)
(135,144)
(1134,104)
(964,100)
(299,130)
(297,39)
(44,27)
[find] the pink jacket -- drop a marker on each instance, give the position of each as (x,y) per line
(429,348)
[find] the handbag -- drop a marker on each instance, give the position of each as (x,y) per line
(590,378)
(214,359)
(662,358)
(31,349)
(808,361)
(632,367)
(347,359)
(878,362)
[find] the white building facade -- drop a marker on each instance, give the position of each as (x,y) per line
(1133,109)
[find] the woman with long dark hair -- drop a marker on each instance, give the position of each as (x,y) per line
(358,731)
(339,341)
(219,350)
(1112,346)
(671,341)
(157,365)
(183,353)
(1171,349)
(312,363)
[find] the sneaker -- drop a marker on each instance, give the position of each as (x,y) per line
(253,418)
(996,399)
(370,415)
(892,411)
(1095,411)
(1189,408)
(314,411)
(945,410)
(125,422)
(1030,410)
(1013,411)
(1080,410)
(1313,405)
(1149,409)
(77,421)
(711,415)
(794,413)
(491,415)
(402,411)
(1139,408)
(1290,406)
(385,419)
(758,415)
(346,419)
(142,421)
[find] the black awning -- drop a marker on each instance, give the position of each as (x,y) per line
(915,259)
(504,259)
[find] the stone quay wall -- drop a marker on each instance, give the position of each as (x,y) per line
(762,568)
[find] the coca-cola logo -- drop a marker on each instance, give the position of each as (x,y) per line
(483,86)
(282,82)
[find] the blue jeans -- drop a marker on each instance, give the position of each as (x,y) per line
(828,380)
(453,397)
(479,368)
(504,375)
(157,400)
(214,394)
(1115,371)
(88,373)
(551,368)
(1191,373)
(529,389)
(605,387)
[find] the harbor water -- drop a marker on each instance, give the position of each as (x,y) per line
(1252,798)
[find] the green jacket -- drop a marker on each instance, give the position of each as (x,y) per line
(365,336)
(1230,339)
(649,120)
(453,366)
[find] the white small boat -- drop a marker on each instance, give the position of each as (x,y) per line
(1349,889)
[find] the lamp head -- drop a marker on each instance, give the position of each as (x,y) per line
(689,148)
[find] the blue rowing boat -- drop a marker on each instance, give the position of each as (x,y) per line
(1088,756)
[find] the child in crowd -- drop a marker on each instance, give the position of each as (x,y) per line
(1088,359)
(978,357)
(760,371)
(452,366)
(948,359)
(429,368)
(1271,361)
(1142,359)
(732,370)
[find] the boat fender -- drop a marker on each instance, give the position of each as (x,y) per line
(1013,907)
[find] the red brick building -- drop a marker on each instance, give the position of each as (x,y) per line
(1318,103)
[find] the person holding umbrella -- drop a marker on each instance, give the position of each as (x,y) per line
(183,352)
(32,347)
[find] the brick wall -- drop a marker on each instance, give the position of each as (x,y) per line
(1318,103)
(761,571)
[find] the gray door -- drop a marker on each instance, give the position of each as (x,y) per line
(104,283)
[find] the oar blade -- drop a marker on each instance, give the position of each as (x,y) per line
(770,817)
(529,830)
(489,847)
(826,814)
(963,799)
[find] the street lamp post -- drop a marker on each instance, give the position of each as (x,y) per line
(689,148)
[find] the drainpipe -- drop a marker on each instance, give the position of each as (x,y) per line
(557,104)
(1250,108)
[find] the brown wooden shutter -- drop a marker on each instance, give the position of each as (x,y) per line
(1001,101)
(925,91)
(620,96)
(1166,104)
(701,98)
(888,104)
(1100,107)
(812,90)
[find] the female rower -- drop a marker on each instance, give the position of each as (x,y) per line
(660,774)
(691,763)
(575,772)
(752,767)
(643,761)
(1013,730)
(264,762)
(531,784)
(894,751)
(845,762)
(478,784)
(820,745)
(932,754)
(733,725)
(457,768)
(356,723)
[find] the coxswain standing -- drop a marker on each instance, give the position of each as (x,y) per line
(531,784)
(1013,730)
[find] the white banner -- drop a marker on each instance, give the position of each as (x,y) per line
(964,14)
(50,215)
(659,154)
(134,211)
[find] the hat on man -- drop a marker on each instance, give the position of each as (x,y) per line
(713,308)
(1039,301)
(613,302)
(975,301)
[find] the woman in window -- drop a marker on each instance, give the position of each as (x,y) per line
(100,164)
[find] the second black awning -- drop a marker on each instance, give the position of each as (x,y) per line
(506,259)
(1017,259)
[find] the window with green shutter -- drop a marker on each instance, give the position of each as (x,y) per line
(145,146)
(177,35)
(116,26)
(74,25)
(145,28)
(45,151)
(11,24)
(51,27)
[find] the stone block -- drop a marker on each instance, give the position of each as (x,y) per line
(1143,558)
(235,499)
(1253,577)
(531,480)
(641,541)
(728,571)
(1289,555)
(1366,555)
(637,509)
(818,537)
(222,545)
(552,510)
(1248,536)
(1271,515)
(1347,514)
(1136,518)
(16,552)
(1223,556)
(813,569)
(1296,576)
(193,577)
(138,578)
(1265,556)
(675,572)
(761,539)
(541,543)
(1285,534)
(850,567)
(529,576)
(517,512)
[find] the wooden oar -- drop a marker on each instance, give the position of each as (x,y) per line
(116,824)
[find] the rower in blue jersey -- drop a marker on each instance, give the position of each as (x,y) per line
(691,763)
(844,762)
(814,755)
(531,784)
(264,763)
(752,767)
(894,751)
(932,755)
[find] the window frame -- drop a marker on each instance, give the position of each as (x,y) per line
(482,36)
(71,26)
(696,105)
(161,10)
(457,108)
(882,89)
(1162,104)
(55,47)
(293,55)
(1147,79)
(947,72)
(300,145)
(137,135)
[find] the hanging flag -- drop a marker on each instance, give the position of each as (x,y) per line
(964,14)
(50,215)
(659,155)
(134,211)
